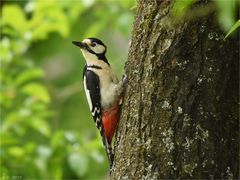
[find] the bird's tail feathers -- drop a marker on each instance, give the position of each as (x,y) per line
(108,148)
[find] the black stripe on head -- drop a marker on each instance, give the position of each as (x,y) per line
(94,66)
(102,55)
(98,41)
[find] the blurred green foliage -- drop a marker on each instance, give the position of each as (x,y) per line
(227,12)
(46,128)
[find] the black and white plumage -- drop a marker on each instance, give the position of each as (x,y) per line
(92,90)
(102,89)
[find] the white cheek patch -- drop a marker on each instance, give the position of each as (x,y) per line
(98,49)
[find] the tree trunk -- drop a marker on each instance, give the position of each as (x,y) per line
(180,111)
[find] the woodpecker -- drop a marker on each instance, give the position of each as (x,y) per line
(102,89)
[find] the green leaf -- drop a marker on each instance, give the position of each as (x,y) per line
(12,119)
(128,4)
(180,7)
(19,20)
(55,167)
(95,28)
(36,90)
(58,139)
(7,138)
(5,50)
(78,163)
(44,22)
(97,156)
(29,74)
(41,126)
(30,147)
(234,27)
(16,151)
(44,151)
(226,13)
(88,3)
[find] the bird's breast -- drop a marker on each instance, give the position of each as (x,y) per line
(108,86)
(108,95)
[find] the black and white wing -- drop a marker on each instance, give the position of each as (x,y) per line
(92,90)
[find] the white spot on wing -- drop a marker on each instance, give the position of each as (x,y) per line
(96,110)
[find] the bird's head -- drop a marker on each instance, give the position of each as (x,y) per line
(92,48)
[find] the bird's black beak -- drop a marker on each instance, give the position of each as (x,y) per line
(79,44)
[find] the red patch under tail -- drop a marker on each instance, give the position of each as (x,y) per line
(110,119)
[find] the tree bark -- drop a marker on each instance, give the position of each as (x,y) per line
(180,111)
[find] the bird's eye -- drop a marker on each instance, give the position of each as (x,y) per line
(93,44)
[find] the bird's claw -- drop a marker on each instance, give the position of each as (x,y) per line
(124,79)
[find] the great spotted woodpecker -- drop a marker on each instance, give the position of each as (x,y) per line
(102,88)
